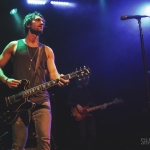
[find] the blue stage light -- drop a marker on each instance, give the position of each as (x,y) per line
(37,2)
(63,4)
(59,3)
(144,9)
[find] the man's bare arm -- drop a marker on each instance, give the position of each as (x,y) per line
(52,70)
(6,55)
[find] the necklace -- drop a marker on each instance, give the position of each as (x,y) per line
(31,58)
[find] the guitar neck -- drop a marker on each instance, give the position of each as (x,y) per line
(46,85)
(98,107)
(38,88)
(41,87)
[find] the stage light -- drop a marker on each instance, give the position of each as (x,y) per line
(59,3)
(37,2)
(144,9)
(63,4)
(13,11)
(17,19)
(147,10)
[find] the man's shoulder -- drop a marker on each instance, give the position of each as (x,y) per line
(47,47)
(13,42)
(48,50)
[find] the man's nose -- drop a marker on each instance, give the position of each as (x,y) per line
(42,22)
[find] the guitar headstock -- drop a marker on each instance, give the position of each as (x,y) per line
(117,100)
(83,73)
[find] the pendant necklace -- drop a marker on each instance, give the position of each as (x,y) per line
(31,58)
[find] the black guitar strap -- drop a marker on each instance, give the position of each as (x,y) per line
(37,65)
(38,57)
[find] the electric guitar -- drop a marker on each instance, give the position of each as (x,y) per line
(86,109)
(17,99)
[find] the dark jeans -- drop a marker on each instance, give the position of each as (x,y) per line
(87,133)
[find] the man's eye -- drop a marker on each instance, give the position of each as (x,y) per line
(40,20)
(37,19)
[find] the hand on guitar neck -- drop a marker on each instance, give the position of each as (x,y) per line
(80,108)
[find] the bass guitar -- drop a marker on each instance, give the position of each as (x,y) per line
(86,109)
(17,99)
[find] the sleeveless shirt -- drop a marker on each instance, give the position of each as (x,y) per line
(21,64)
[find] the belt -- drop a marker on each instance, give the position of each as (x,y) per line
(37,107)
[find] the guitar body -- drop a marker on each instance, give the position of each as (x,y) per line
(80,116)
(10,106)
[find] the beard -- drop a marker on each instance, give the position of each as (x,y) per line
(37,32)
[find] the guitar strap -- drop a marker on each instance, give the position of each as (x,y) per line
(38,57)
(37,65)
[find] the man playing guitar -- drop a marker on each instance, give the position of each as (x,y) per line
(79,99)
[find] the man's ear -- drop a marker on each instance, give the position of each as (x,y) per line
(28,25)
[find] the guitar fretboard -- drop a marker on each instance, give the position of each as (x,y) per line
(46,85)
(98,107)
(38,88)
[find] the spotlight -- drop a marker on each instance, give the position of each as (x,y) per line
(13,11)
(59,3)
(37,2)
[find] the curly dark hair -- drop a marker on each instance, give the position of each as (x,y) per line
(28,19)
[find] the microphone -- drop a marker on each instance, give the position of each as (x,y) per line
(125,17)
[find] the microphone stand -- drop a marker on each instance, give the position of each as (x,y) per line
(144,60)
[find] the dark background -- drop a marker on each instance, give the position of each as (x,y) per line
(92,34)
